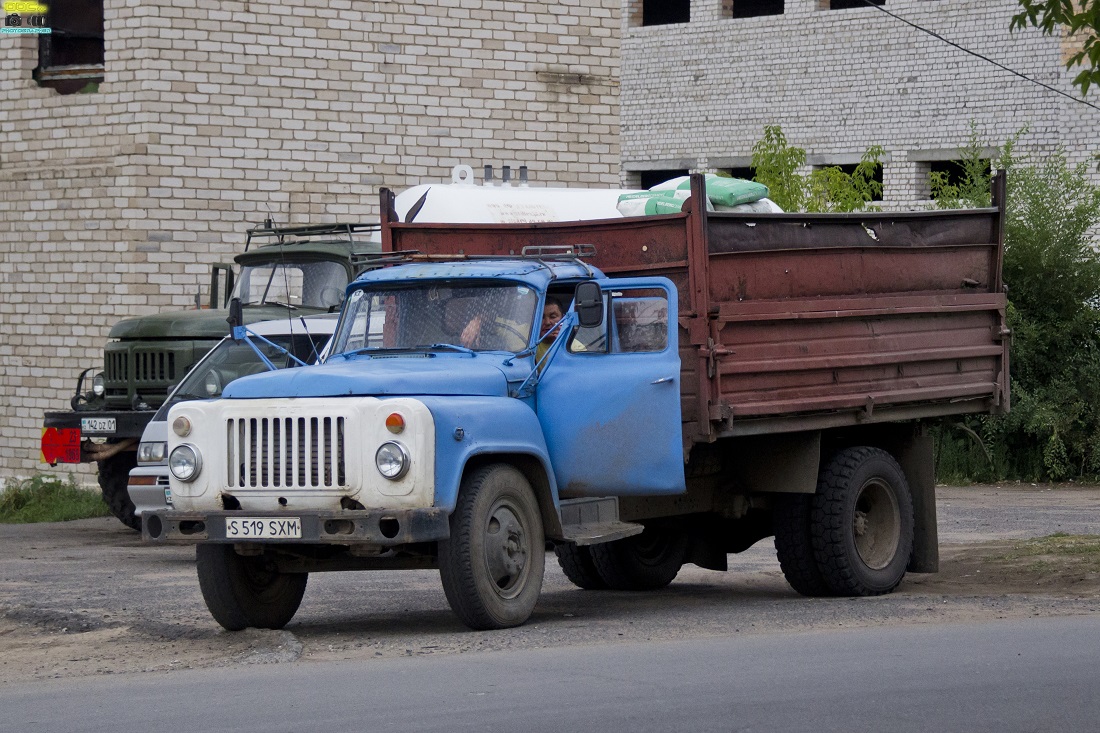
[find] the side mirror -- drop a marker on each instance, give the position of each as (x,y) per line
(235,320)
(588,303)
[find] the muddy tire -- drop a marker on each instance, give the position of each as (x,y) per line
(114,475)
(794,544)
(862,523)
(247,591)
(646,561)
(492,564)
(577,564)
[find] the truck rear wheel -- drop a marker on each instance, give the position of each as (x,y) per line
(114,476)
(646,561)
(794,544)
(492,564)
(862,522)
(243,591)
(577,564)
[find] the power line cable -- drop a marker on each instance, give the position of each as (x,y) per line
(999,65)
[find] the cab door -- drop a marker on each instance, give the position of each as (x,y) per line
(609,399)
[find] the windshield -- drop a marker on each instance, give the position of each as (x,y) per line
(318,284)
(230,360)
(472,315)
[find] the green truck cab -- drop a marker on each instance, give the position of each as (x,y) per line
(284,271)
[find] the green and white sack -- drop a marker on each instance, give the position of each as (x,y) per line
(721,191)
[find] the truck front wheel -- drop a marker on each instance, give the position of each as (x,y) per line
(493,562)
(862,522)
(114,476)
(646,561)
(243,591)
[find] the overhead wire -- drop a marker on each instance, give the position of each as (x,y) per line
(998,64)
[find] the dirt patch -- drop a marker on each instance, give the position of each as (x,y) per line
(1066,566)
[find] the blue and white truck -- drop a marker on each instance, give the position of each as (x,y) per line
(717,379)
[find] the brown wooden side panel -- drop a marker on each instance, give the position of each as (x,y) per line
(859,353)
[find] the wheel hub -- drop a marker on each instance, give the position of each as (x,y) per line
(876,525)
(506,551)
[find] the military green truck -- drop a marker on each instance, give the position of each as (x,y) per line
(284,271)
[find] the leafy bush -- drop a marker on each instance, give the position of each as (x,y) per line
(1052,270)
(775,163)
(45,498)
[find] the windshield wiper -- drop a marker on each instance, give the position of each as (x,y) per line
(181,396)
(452,347)
(278,302)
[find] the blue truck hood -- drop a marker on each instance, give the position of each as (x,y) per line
(433,374)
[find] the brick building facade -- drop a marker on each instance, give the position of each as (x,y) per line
(210,115)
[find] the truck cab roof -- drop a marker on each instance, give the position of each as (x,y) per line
(537,272)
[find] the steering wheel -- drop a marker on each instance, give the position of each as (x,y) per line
(505,327)
(331,297)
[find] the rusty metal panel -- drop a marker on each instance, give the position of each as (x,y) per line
(859,356)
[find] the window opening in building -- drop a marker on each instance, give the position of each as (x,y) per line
(665,12)
(877,177)
(744,173)
(847,4)
(756,8)
(955,173)
(70,58)
(649,179)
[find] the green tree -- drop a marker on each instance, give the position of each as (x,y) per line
(775,163)
(1052,270)
(1078,17)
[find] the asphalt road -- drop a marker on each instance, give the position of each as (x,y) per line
(1033,675)
(85,606)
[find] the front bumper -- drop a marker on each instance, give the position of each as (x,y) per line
(383,527)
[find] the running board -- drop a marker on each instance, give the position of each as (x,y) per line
(592,521)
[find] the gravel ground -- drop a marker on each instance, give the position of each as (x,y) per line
(88,598)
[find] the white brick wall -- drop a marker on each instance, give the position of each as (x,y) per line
(212,114)
(839,81)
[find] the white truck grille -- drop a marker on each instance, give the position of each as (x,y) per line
(286,452)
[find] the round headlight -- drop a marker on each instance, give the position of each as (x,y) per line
(98,385)
(184,462)
(212,383)
(392,460)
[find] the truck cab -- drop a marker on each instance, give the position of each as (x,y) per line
(373,453)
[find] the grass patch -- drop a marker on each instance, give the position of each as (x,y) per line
(1082,551)
(46,498)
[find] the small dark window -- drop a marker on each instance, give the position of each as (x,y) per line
(877,178)
(846,4)
(755,8)
(742,173)
(665,12)
(649,179)
(70,57)
(955,171)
